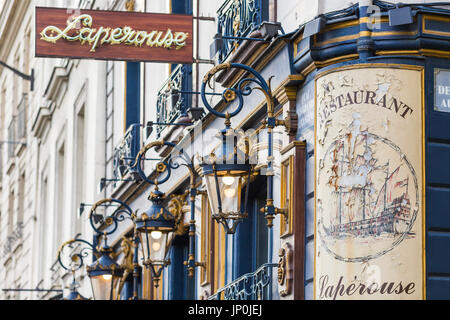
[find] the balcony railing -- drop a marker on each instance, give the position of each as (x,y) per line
(251,286)
(125,153)
(17,129)
(238,18)
(172,101)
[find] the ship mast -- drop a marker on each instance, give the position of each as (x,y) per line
(340,187)
(385,186)
(364,189)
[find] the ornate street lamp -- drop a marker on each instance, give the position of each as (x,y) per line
(105,275)
(73,293)
(225,175)
(156,227)
(70,257)
(159,225)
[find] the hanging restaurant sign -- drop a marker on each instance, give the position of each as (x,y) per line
(113,35)
(369,175)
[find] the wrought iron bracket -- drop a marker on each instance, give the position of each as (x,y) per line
(21,74)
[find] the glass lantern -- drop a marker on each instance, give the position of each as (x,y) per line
(227,182)
(105,275)
(156,227)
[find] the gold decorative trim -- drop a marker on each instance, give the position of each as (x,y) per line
(424,52)
(334,40)
(394,33)
(328,62)
(363,34)
(291,145)
(205,245)
(287,179)
(435,18)
(285,270)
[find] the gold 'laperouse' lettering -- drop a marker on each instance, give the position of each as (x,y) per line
(79,29)
(364,97)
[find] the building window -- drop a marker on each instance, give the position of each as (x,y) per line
(109,150)
(21,212)
(80,174)
(59,213)
(11,213)
(43,225)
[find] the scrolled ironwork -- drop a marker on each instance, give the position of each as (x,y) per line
(75,251)
(242,89)
(167,165)
(251,286)
(120,214)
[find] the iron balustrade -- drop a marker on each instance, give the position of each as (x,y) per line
(251,286)
(171,101)
(125,153)
(238,18)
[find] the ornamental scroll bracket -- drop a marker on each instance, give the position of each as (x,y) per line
(285,270)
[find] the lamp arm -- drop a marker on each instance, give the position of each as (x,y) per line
(240,90)
(114,218)
(77,257)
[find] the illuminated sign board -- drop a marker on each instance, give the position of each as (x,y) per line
(113,35)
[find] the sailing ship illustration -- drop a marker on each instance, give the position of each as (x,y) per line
(360,209)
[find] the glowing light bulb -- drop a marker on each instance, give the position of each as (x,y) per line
(228,180)
(107,277)
(156,235)
(156,246)
(229,192)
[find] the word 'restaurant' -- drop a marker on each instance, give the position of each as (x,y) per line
(79,29)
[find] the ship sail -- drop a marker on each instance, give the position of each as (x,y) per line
(360,208)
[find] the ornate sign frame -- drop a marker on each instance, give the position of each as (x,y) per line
(350,261)
(113,35)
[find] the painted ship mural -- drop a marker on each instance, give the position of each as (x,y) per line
(370,200)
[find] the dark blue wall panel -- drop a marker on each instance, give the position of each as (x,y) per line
(437,198)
